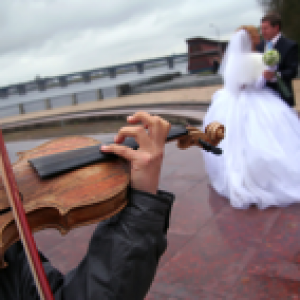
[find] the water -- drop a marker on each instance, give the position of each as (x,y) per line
(84,92)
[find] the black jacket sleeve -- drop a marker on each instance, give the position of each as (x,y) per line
(121,260)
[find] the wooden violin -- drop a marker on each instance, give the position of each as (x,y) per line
(91,186)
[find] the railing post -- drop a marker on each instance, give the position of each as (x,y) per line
(99,95)
(21,109)
(112,72)
(48,103)
(74,99)
(119,90)
(140,68)
(170,61)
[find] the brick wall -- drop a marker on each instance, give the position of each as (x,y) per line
(202,54)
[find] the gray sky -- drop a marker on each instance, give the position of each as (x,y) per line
(52,37)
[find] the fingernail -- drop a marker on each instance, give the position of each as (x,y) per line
(104,147)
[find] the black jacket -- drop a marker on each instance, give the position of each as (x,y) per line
(120,263)
(288,66)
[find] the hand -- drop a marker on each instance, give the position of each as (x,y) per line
(269,75)
(147,160)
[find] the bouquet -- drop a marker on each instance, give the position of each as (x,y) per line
(271,58)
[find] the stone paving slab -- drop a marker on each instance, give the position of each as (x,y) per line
(214,251)
(182,115)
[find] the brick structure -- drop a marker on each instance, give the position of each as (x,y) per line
(204,54)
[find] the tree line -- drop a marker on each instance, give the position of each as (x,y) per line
(289,11)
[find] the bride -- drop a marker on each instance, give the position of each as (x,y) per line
(260,163)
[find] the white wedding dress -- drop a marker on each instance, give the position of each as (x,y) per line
(260,163)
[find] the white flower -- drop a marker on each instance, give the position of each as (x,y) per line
(271,58)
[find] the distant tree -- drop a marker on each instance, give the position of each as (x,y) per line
(270,5)
(290,13)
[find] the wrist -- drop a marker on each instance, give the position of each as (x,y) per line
(146,188)
(147,181)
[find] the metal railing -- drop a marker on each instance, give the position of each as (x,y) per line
(72,89)
(42,84)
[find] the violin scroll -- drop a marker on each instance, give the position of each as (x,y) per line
(215,132)
(213,135)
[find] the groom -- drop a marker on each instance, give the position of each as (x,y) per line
(288,49)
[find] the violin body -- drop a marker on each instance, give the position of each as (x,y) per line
(80,197)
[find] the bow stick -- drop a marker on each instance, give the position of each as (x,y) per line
(26,237)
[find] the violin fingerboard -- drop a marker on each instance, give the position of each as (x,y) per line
(54,164)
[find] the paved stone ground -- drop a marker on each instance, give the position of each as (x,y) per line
(214,251)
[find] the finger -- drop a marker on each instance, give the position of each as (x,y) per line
(158,127)
(137,132)
(141,117)
(160,130)
(120,150)
(132,120)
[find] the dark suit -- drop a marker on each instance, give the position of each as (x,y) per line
(288,66)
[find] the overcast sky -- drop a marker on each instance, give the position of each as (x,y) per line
(52,37)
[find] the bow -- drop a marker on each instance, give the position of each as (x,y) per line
(26,237)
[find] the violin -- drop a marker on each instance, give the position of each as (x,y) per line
(68,182)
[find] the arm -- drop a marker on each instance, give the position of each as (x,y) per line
(290,70)
(124,252)
(121,260)
(123,255)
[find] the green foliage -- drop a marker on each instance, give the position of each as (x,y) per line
(289,11)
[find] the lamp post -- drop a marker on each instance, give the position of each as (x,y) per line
(219,38)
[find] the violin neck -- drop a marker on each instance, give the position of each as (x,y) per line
(48,166)
(175,132)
